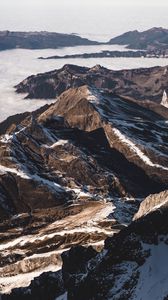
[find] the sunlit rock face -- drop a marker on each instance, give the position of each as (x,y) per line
(151,203)
(164,101)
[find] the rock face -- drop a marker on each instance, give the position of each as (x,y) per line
(139,84)
(132,265)
(47,286)
(73,173)
(154,38)
(87,140)
(152,203)
(40,40)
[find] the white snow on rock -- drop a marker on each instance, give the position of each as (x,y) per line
(19,173)
(164,101)
(22,280)
(6,138)
(84,223)
(126,269)
(25,175)
(152,283)
(59,143)
(152,275)
(62,297)
(136,150)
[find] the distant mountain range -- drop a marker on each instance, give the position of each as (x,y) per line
(152,39)
(40,40)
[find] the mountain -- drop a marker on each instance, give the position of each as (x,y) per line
(74,173)
(145,85)
(40,40)
(70,137)
(152,39)
(132,264)
(102,54)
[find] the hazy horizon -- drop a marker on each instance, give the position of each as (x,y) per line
(100,18)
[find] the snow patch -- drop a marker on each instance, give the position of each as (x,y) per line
(152,283)
(22,280)
(6,138)
(19,173)
(59,143)
(164,101)
(136,150)
(25,175)
(62,297)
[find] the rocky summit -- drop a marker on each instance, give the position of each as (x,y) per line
(76,173)
(146,86)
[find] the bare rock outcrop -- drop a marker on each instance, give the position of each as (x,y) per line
(143,84)
(151,203)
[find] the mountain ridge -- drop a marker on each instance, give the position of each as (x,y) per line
(155,38)
(40,40)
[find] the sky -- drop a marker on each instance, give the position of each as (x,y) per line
(83,2)
(103,17)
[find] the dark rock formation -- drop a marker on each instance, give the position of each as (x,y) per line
(40,40)
(73,173)
(132,265)
(101,55)
(56,154)
(47,286)
(139,84)
(152,39)
(126,269)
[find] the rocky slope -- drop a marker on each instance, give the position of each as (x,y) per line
(61,148)
(152,39)
(73,173)
(132,265)
(40,40)
(139,84)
